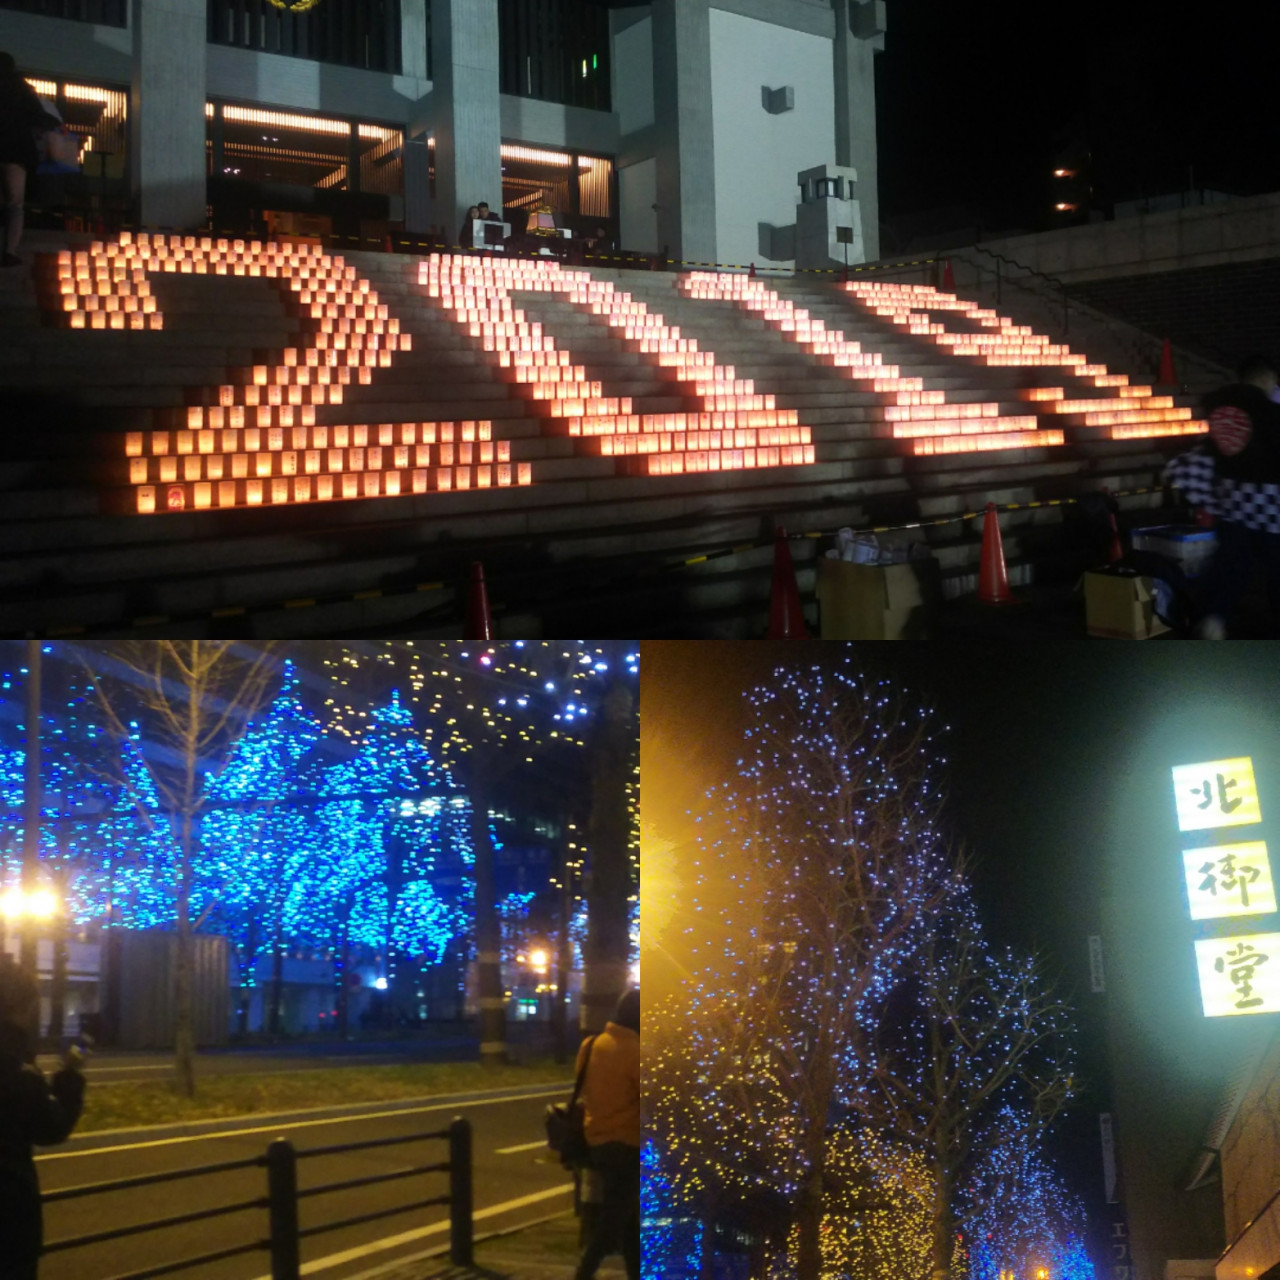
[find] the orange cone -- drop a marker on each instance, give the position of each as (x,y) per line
(386,243)
(993,578)
(948,276)
(1168,375)
(479,620)
(786,617)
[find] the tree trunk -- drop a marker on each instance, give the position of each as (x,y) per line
(564,963)
(276,1023)
(944,1223)
(343,993)
(606,952)
(809,1225)
(184,1049)
(490,990)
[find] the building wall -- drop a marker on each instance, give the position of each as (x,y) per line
(1251,1151)
(58,47)
(633,76)
(757,155)
(549,124)
(638,192)
(298,83)
(1208,235)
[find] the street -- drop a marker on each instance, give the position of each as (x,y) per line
(513,1182)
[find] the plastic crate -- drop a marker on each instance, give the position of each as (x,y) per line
(1187,545)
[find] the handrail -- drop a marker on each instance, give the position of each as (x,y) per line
(282,1199)
(1219,364)
(149,1179)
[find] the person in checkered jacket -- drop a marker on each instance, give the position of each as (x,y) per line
(1235,476)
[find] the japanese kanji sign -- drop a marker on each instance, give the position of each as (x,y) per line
(1218,793)
(1239,975)
(1229,880)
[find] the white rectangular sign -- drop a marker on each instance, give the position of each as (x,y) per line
(1217,793)
(1229,880)
(1239,975)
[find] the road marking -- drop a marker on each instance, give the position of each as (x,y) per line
(291,1124)
(528,1146)
(420,1233)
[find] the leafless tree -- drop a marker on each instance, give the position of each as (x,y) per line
(978,1066)
(193,698)
(822,874)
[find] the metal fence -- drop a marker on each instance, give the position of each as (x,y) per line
(284,1235)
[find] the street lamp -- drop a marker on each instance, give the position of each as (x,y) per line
(20,904)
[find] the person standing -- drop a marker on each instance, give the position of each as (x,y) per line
(1244,444)
(611,1103)
(21,118)
(33,1111)
(466,237)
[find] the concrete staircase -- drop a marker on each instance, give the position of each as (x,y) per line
(98,416)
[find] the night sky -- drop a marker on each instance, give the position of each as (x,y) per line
(1059,790)
(974,101)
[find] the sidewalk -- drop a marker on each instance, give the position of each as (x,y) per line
(546,1251)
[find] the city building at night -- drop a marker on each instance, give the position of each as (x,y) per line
(682,126)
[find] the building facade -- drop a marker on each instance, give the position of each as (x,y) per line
(678,125)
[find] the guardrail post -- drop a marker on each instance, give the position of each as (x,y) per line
(282,1195)
(460,1252)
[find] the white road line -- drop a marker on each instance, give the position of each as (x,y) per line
(288,1124)
(408,1237)
(528,1146)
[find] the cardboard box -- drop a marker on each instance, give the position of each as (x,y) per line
(1120,606)
(866,601)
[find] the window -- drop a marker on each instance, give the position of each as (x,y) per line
(353,33)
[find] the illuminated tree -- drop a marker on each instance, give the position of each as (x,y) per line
(194,697)
(834,873)
(1020,1217)
(392,819)
(514,720)
(258,848)
(976,1066)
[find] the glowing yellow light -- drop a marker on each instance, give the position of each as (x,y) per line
(38,905)
(1239,975)
(538,960)
(1217,793)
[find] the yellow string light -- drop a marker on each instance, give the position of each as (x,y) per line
(298,6)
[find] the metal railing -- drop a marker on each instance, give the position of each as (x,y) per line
(284,1235)
(1143,349)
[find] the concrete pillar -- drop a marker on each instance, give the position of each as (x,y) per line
(684,129)
(413,38)
(468,121)
(859,36)
(167,104)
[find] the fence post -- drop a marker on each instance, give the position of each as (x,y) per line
(282,1195)
(460,1253)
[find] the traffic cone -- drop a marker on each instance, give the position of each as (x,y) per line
(479,620)
(1168,375)
(751,275)
(948,276)
(993,578)
(386,243)
(786,617)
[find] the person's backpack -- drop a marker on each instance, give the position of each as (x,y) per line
(566,1122)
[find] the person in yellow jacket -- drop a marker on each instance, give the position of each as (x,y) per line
(611,1102)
